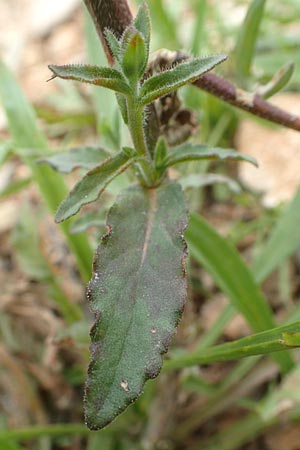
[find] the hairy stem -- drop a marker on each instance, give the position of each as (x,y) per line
(135,124)
(112,14)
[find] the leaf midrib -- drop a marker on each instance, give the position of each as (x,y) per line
(135,278)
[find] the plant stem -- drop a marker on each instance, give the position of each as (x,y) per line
(135,125)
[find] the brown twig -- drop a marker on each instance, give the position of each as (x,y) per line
(112,14)
(116,15)
(252,103)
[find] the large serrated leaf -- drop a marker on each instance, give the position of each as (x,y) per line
(173,79)
(137,294)
(99,76)
(89,188)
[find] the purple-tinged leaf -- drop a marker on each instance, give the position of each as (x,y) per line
(172,79)
(91,186)
(190,152)
(84,157)
(137,294)
(99,76)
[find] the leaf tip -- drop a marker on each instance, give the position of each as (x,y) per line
(54,75)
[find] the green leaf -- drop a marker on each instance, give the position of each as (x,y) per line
(84,157)
(142,23)
(190,152)
(278,81)
(245,46)
(113,43)
(172,79)
(91,186)
(121,99)
(10,445)
(160,152)
(134,55)
(88,220)
(199,180)
(284,241)
(99,76)
(231,274)
(137,294)
(165,24)
(277,339)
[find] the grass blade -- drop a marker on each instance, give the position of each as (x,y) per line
(283,242)
(246,42)
(277,339)
(26,134)
(232,276)
(164,24)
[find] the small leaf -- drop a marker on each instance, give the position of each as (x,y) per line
(85,157)
(91,186)
(121,99)
(134,55)
(113,43)
(137,294)
(173,79)
(99,76)
(160,152)
(194,180)
(88,220)
(190,152)
(278,81)
(142,23)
